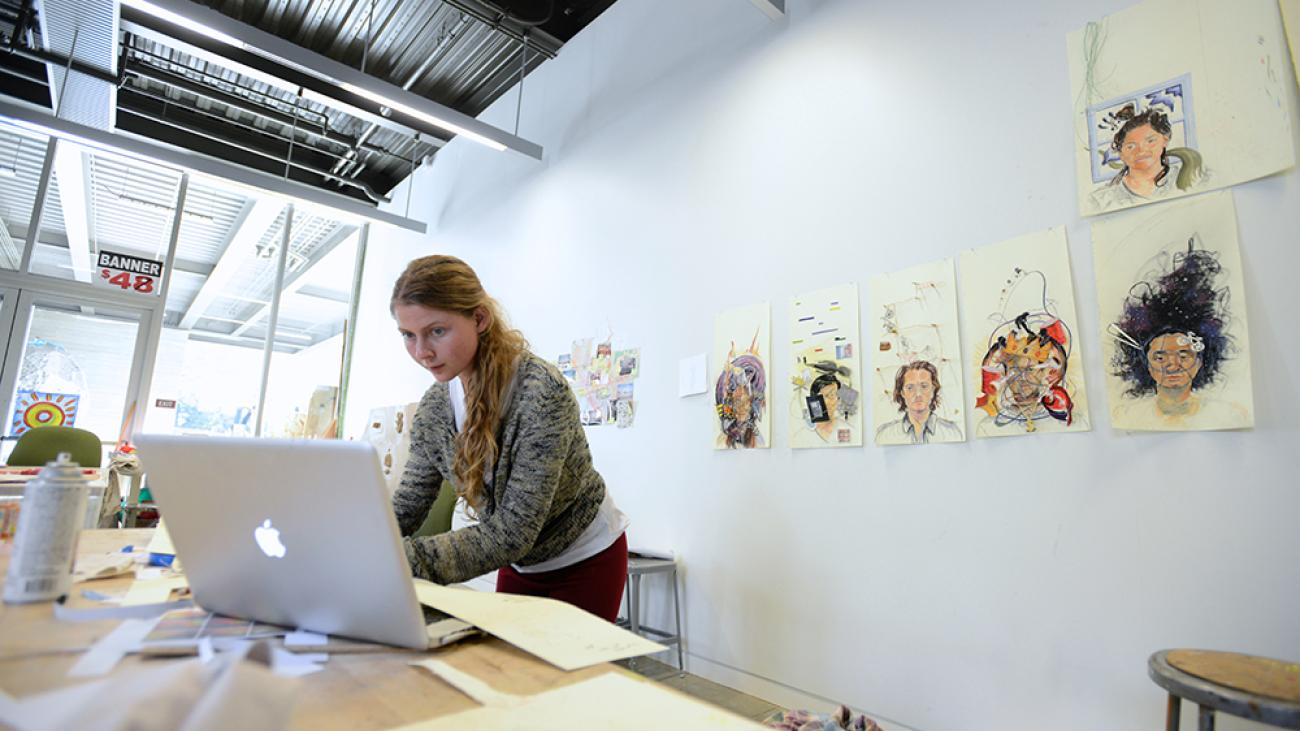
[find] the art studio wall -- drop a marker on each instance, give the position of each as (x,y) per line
(700,157)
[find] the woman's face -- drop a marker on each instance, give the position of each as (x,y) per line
(1172,362)
(1142,149)
(443,343)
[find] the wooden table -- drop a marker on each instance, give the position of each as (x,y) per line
(355,691)
(1259,688)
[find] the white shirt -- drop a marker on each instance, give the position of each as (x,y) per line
(605,528)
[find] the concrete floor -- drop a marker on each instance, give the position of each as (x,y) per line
(742,704)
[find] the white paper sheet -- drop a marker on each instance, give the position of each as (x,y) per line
(105,654)
(65,613)
(161,542)
(152,591)
(554,631)
(471,686)
(610,702)
(692,374)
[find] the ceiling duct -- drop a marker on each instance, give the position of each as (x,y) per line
(85,31)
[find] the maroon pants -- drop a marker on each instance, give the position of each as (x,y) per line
(594,584)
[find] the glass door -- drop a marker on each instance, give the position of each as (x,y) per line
(70,362)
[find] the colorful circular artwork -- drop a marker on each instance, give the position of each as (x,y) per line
(36,409)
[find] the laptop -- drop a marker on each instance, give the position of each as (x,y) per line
(296,533)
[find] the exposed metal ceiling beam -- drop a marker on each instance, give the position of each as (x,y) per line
(295,281)
(244,342)
(44,122)
(324,293)
(327,80)
(256,217)
(177,81)
(53,238)
(70,170)
(181,42)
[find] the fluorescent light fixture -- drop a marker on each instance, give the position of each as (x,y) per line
(177,19)
(425,116)
(8,171)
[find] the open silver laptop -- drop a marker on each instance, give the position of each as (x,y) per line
(294,533)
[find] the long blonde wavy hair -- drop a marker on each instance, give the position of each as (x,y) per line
(446,283)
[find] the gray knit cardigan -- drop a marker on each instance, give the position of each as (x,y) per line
(541,495)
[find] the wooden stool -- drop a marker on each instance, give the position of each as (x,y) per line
(1258,688)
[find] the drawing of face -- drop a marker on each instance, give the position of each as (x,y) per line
(918,390)
(1029,380)
(830,394)
(1173,361)
(1142,149)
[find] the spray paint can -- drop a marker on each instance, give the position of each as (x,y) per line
(49,522)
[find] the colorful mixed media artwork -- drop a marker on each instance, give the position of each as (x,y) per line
(916,356)
(602,381)
(1022,335)
(1176,344)
(1176,97)
(35,409)
(741,381)
(825,398)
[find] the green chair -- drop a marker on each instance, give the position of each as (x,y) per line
(41,445)
(439,518)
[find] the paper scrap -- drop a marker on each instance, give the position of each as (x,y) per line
(136,611)
(104,655)
(692,375)
(152,591)
(558,633)
(469,685)
(161,541)
(206,651)
(449,630)
(609,701)
(102,566)
(292,664)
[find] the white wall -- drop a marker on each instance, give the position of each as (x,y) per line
(700,157)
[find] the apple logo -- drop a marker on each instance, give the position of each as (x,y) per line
(268,539)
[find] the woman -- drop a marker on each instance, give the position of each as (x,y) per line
(501,425)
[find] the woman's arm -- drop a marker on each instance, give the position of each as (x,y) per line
(538,455)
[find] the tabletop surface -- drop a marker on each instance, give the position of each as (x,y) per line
(1261,676)
(355,691)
